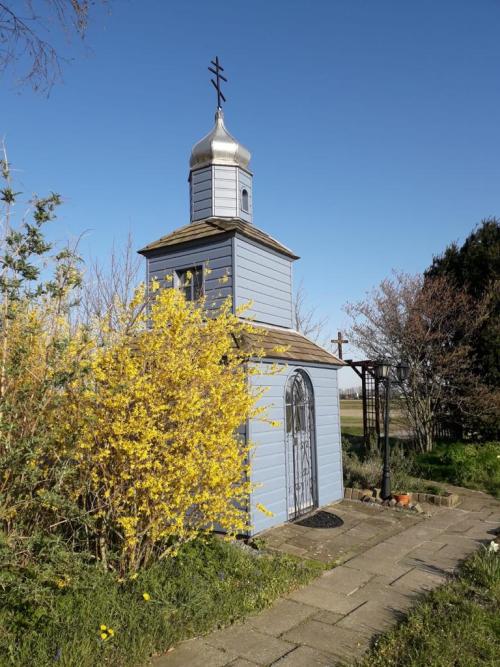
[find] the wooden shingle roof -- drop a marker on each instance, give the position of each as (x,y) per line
(297,347)
(213,227)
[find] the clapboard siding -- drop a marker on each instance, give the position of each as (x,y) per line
(201,194)
(279,288)
(215,256)
(266,257)
(268,457)
(225,191)
(264,278)
(217,250)
(216,191)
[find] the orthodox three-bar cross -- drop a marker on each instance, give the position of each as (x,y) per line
(218,78)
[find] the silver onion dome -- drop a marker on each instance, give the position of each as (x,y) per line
(219,147)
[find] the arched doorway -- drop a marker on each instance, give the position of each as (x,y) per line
(300,445)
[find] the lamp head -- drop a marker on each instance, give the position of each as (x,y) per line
(382,368)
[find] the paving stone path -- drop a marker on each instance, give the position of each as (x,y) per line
(388,558)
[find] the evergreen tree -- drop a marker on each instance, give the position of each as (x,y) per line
(475,268)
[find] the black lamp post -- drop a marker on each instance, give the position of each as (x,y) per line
(383,374)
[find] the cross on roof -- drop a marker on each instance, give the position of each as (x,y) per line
(218,77)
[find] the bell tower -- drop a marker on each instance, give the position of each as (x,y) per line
(219,178)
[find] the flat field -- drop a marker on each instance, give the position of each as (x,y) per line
(351,418)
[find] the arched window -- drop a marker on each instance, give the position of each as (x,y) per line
(300,445)
(244,200)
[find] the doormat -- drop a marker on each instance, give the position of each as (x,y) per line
(321,519)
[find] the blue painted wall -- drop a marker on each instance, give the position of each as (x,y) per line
(265,278)
(216,191)
(255,273)
(268,456)
(215,255)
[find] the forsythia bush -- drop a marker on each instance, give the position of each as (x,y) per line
(151,423)
(40,355)
(118,432)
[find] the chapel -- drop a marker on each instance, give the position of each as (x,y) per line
(298,466)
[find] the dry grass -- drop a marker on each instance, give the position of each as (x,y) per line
(351,418)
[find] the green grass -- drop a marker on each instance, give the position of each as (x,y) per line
(475,466)
(208,585)
(351,425)
(351,417)
(457,625)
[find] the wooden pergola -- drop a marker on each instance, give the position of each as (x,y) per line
(370,394)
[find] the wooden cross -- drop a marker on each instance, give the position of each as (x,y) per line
(218,76)
(339,341)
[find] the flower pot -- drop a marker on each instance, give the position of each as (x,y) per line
(403,498)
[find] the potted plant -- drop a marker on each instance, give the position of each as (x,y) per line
(402,497)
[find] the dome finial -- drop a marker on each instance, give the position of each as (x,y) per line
(219,147)
(218,76)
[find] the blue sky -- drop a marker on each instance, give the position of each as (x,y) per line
(374,127)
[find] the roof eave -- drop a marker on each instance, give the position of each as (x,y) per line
(297,360)
(283,250)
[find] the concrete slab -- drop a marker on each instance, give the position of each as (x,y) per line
(329,617)
(462,526)
(281,617)
(343,580)
(434,563)
(322,598)
(481,531)
(446,518)
(304,656)
(195,653)
(385,566)
(245,642)
(388,596)
(332,640)
(458,550)
(373,617)
(419,581)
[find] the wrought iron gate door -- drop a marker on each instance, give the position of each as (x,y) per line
(300,446)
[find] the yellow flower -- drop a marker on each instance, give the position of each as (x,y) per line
(133,576)
(264,510)
(146,596)
(105,633)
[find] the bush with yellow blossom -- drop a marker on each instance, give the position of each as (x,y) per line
(119,433)
(151,423)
